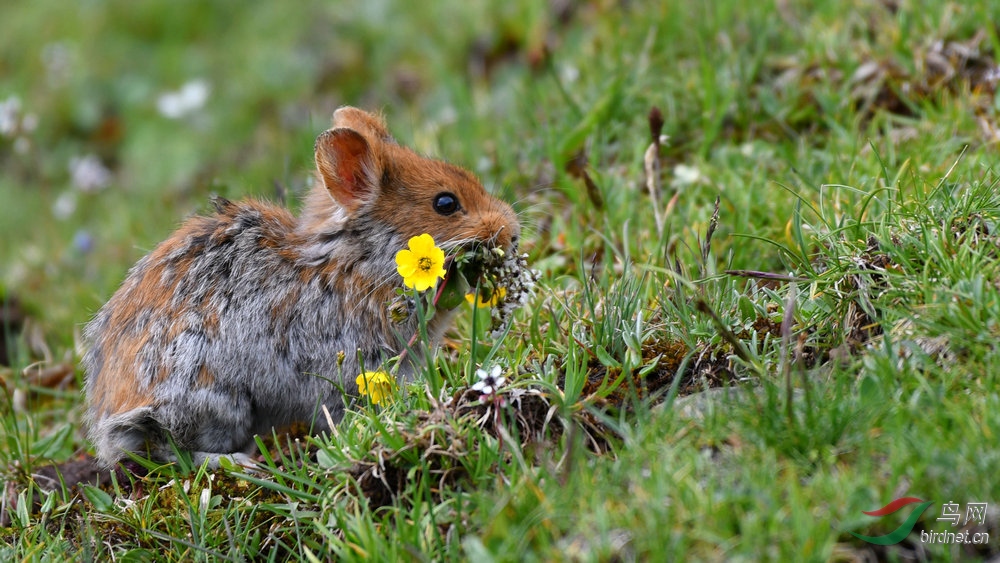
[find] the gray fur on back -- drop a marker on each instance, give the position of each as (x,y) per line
(248,336)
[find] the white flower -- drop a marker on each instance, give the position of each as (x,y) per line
(9,116)
(448,114)
(569,74)
(58,60)
(29,122)
(489,382)
(88,173)
(190,97)
(992,75)
(64,205)
(686,175)
(484,164)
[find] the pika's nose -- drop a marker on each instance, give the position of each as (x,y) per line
(499,227)
(505,234)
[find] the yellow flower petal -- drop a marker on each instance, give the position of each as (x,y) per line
(376,385)
(422,244)
(422,264)
(406,265)
(499,294)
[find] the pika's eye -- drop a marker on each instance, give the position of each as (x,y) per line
(446,203)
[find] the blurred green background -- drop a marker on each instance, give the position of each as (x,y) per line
(119,118)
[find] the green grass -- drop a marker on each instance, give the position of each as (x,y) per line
(842,160)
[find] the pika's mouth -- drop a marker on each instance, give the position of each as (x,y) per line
(488,277)
(484,276)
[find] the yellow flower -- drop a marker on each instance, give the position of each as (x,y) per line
(377,385)
(422,264)
(499,294)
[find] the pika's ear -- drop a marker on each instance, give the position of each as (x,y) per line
(348,167)
(368,124)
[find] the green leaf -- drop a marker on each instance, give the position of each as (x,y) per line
(49,446)
(597,115)
(454,290)
(23,516)
(227,464)
(50,502)
(137,555)
(324,459)
(605,358)
(649,368)
(101,500)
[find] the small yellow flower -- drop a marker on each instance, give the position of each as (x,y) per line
(422,264)
(377,385)
(499,294)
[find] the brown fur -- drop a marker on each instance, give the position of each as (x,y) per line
(236,321)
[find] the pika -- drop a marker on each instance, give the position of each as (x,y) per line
(234,324)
